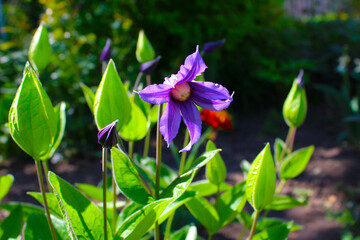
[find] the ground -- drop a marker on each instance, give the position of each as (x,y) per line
(332,168)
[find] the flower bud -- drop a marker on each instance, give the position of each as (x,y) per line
(107,136)
(295,105)
(40,49)
(211,47)
(148,67)
(144,50)
(106,52)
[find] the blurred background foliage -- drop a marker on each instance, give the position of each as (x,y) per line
(267,42)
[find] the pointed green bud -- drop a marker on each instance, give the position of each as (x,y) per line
(144,50)
(40,49)
(295,105)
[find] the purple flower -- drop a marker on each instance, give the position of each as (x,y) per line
(211,47)
(107,136)
(299,79)
(148,67)
(106,52)
(181,93)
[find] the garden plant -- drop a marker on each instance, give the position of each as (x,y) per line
(139,196)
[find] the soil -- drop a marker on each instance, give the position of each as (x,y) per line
(332,168)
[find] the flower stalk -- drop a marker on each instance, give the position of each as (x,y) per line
(104,174)
(253,227)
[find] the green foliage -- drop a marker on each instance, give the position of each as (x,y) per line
(295,163)
(5,184)
(279,232)
(94,192)
(40,49)
(137,127)
(283,202)
(11,226)
(51,201)
(144,50)
(215,169)
(188,232)
(295,106)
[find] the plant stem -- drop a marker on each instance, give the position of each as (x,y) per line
(158,168)
(137,82)
(147,143)
(42,187)
(114,204)
(210,236)
(131,149)
(46,170)
(104,172)
(253,227)
(280,187)
(183,154)
(168,226)
(292,139)
(148,80)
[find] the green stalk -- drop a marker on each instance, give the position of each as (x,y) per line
(253,227)
(104,172)
(46,170)
(184,153)
(42,187)
(280,187)
(210,236)
(114,199)
(137,81)
(147,143)
(131,149)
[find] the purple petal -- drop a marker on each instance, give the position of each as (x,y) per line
(194,65)
(299,79)
(209,104)
(209,90)
(170,121)
(106,52)
(156,94)
(149,67)
(107,136)
(192,120)
(211,47)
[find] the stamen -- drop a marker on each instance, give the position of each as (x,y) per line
(181,92)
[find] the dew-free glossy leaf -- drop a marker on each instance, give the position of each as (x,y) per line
(189,232)
(60,113)
(283,202)
(32,120)
(83,219)
(205,188)
(204,159)
(40,49)
(215,168)
(178,186)
(89,96)
(279,232)
(154,113)
(295,163)
(12,225)
(128,179)
(261,180)
(26,208)
(136,128)
(94,192)
(278,148)
(266,222)
(111,100)
(144,50)
(5,184)
(51,201)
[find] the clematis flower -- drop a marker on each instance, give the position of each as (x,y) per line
(106,52)
(181,93)
(107,136)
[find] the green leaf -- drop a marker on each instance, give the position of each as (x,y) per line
(231,203)
(139,223)
(40,49)
(283,202)
(295,163)
(32,120)
(203,159)
(178,186)
(60,113)
(279,232)
(136,128)
(265,223)
(278,148)
(261,180)
(215,169)
(37,228)
(154,114)
(245,166)
(51,201)
(26,208)
(89,96)
(83,219)
(111,101)
(127,211)
(128,178)
(188,232)
(144,50)
(5,184)
(205,188)
(205,213)
(94,192)
(12,225)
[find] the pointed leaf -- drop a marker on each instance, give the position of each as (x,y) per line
(215,169)
(283,202)
(40,49)
(12,225)
(128,179)
(178,186)
(26,208)
(189,232)
(279,232)
(5,184)
(205,188)
(261,180)
(89,96)
(111,101)
(94,192)
(32,120)
(137,127)
(83,219)
(60,114)
(266,222)
(51,201)
(278,148)
(204,159)
(144,50)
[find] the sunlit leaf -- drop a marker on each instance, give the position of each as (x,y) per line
(136,128)
(205,188)
(51,201)
(5,184)
(295,163)
(283,202)
(279,232)
(215,169)
(189,232)
(89,96)
(144,50)
(94,192)
(40,49)
(12,225)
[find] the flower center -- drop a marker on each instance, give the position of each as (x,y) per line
(181,92)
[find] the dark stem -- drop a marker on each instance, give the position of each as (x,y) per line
(137,81)
(104,173)
(148,80)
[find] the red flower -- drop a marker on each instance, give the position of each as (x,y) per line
(217,119)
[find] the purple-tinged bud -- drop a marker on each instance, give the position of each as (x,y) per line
(211,47)
(148,67)
(106,52)
(107,136)
(299,79)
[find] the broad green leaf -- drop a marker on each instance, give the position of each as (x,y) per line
(60,113)
(295,163)
(37,228)
(89,96)
(5,184)
(26,208)
(40,49)
(83,219)
(178,186)
(144,106)
(203,159)
(205,213)
(215,169)
(278,148)
(136,128)
(205,188)
(127,211)
(111,101)
(245,166)
(144,50)
(12,225)
(261,180)
(189,232)
(51,201)
(231,203)
(139,223)
(32,119)
(279,232)
(283,202)
(154,114)
(266,222)
(94,192)
(245,219)
(128,178)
